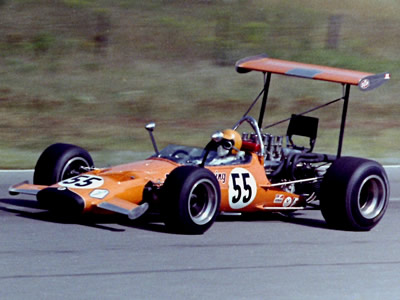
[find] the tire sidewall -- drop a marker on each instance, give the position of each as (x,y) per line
(51,163)
(340,191)
(353,192)
(187,188)
(175,197)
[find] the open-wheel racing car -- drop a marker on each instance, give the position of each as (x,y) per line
(233,173)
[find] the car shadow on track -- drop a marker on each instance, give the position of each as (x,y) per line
(30,209)
(298,218)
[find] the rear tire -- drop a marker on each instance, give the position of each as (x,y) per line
(59,162)
(354,194)
(190,200)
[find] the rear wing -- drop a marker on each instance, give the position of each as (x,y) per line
(262,63)
(268,66)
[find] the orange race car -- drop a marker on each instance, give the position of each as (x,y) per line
(248,172)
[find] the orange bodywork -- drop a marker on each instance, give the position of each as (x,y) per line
(123,186)
(125,183)
(265,196)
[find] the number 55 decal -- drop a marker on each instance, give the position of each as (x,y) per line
(242,188)
(83,182)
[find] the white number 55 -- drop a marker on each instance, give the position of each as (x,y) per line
(242,188)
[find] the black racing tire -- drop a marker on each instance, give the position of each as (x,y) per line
(354,194)
(191,200)
(59,162)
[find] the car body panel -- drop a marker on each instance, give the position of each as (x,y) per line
(121,184)
(244,187)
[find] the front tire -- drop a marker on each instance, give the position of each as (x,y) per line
(59,162)
(190,200)
(354,194)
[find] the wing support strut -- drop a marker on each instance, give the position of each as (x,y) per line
(264,100)
(344,115)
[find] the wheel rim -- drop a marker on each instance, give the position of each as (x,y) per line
(73,167)
(202,202)
(372,197)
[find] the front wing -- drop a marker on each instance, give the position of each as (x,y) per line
(117,205)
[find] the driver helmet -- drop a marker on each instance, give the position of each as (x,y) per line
(232,141)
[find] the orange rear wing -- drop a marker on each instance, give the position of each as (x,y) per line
(262,63)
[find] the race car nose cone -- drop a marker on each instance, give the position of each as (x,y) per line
(61,201)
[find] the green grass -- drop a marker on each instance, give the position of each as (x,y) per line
(172,62)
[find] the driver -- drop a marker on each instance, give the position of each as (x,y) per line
(228,149)
(230,144)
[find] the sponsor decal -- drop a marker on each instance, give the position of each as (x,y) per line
(99,194)
(287,201)
(221,177)
(83,182)
(279,198)
(242,188)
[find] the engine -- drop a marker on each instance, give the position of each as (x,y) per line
(273,147)
(284,164)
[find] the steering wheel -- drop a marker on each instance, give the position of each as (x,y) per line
(254,125)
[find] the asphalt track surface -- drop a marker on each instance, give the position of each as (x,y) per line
(258,257)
